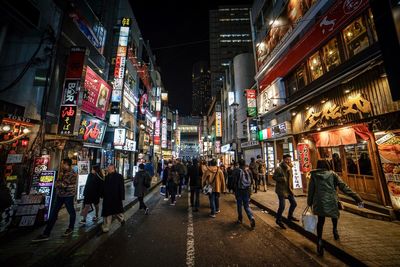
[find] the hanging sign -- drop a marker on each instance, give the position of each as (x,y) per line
(218,124)
(297,183)
(164,133)
(271,97)
(217,147)
(305,160)
(92,130)
(76,63)
(71,92)
(251,102)
(83,172)
(66,123)
(119,136)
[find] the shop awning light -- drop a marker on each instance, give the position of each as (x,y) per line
(6,128)
(26,131)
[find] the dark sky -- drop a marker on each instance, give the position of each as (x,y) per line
(177,23)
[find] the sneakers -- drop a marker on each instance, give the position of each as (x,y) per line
(82,221)
(293,219)
(68,232)
(253,223)
(165,199)
(146,212)
(281,225)
(40,238)
(212,215)
(218,211)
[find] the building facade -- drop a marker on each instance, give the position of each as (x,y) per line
(201,87)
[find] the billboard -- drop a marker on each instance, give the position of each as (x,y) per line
(91,130)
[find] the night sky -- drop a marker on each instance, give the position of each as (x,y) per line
(172,25)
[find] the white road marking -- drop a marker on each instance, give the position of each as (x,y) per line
(190,237)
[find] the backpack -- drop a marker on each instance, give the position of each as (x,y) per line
(244,180)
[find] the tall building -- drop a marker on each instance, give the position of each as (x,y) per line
(201,87)
(230,35)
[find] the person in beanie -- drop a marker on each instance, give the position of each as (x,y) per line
(214,177)
(142,182)
(322,197)
(242,189)
(65,193)
(283,177)
(114,194)
(195,184)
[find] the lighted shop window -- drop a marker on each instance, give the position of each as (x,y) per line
(371,24)
(356,37)
(331,56)
(301,76)
(315,66)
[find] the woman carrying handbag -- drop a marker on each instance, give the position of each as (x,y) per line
(322,197)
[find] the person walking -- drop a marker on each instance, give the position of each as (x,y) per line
(65,193)
(114,194)
(142,182)
(283,177)
(322,198)
(179,167)
(254,173)
(214,177)
(195,184)
(92,192)
(166,171)
(242,189)
(262,171)
(173,183)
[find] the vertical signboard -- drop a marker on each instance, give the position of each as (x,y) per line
(251,102)
(297,183)
(304,157)
(46,187)
(218,124)
(83,172)
(119,72)
(164,133)
(157,132)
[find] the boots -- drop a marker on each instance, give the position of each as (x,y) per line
(335,234)
(320,247)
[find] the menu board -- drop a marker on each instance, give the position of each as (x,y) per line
(28,209)
(297,183)
(46,187)
(83,172)
(389,152)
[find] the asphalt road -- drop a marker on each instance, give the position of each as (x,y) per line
(163,239)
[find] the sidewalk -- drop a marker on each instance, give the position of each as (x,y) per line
(372,242)
(20,251)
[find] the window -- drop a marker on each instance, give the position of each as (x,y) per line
(301,75)
(291,84)
(331,54)
(356,37)
(357,158)
(315,66)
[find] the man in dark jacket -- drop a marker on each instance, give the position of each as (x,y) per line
(254,172)
(65,193)
(180,168)
(283,178)
(142,182)
(114,194)
(195,184)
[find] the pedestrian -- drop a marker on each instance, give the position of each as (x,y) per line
(173,183)
(166,171)
(322,198)
(254,172)
(180,168)
(224,171)
(92,192)
(195,184)
(159,168)
(214,177)
(242,189)
(149,168)
(283,177)
(262,171)
(142,182)
(65,193)
(114,194)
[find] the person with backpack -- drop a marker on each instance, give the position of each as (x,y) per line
(254,173)
(142,182)
(283,177)
(242,189)
(262,171)
(214,177)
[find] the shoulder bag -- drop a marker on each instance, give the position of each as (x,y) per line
(207,189)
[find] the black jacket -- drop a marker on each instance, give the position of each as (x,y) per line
(93,189)
(114,194)
(194,175)
(141,182)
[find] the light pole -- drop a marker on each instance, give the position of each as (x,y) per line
(235,106)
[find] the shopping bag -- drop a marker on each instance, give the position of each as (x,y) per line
(309,220)
(162,190)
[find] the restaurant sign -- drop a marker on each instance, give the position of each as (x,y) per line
(271,97)
(92,130)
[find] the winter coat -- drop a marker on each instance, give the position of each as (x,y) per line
(93,189)
(254,169)
(194,176)
(141,182)
(236,179)
(214,176)
(180,169)
(262,167)
(283,178)
(322,195)
(173,176)
(114,194)
(66,184)
(165,175)
(149,168)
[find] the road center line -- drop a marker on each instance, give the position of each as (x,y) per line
(190,237)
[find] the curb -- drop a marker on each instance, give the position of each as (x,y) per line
(331,248)
(64,252)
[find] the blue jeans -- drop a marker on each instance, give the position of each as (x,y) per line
(69,204)
(281,208)
(214,202)
(243,198)
(195,196)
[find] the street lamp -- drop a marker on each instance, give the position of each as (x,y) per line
(235,106)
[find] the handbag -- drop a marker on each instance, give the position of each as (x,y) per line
(309,220)
(207,189)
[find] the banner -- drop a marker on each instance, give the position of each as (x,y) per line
(119,136)
(96,94)
(164,133)
(83,172)
(251,97)
(66,120)
(218,124)
(304,157)
(297,183)
(92,130)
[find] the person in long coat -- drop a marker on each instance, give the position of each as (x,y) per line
(114,194)
(92,192)
(214,177)
(195,184)
(142,182)
(323,199)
